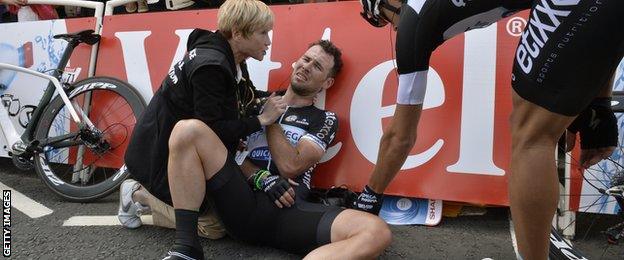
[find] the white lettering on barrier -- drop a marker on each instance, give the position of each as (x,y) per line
(138,74)
(477,120)
(181,49)
(477,105)
(366,113)
(259,70)
(137,69)
(135,60)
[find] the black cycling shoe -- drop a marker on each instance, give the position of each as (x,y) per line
(335,196)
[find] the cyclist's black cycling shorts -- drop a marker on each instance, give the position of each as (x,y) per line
(568,52)
(251,217)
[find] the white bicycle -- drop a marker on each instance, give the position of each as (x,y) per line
(76,140)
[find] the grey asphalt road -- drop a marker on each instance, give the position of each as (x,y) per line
(467,237)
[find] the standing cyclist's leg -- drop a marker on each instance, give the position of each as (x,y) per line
(533,185)
(550,90)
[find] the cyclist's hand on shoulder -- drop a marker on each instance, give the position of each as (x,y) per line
(273,109)
(597,127)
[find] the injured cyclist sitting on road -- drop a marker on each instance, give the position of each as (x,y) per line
(261,201)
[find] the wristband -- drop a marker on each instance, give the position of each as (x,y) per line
(258,177)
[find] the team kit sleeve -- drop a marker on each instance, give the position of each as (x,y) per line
(209,85)
(324,131)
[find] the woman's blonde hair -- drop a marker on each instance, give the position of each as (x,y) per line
(247,16)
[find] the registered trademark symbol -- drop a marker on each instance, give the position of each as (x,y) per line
(516,25)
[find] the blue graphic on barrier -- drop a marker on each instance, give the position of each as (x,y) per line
(53,48)
(22,53)
(619,82)
(21,56)
(404,211)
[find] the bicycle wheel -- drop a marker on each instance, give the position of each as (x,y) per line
(81,163)
(562,249)
(591,200)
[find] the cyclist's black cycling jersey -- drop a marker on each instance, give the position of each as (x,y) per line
(299,123)
(567,52)
(251,216)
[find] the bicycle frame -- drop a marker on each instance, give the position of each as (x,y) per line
(6,125)
(10,132)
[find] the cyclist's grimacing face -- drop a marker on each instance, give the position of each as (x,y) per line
(257,43)
(311,72)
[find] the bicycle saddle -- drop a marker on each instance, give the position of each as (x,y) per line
(86,36)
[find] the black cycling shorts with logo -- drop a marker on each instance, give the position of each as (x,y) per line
(252,217)
(568,52)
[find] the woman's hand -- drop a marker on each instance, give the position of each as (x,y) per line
(273,108)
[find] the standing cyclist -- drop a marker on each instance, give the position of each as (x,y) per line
(563,63)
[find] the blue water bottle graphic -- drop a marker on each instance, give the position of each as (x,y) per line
(21,56)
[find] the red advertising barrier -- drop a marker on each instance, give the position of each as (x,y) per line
(463,147)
